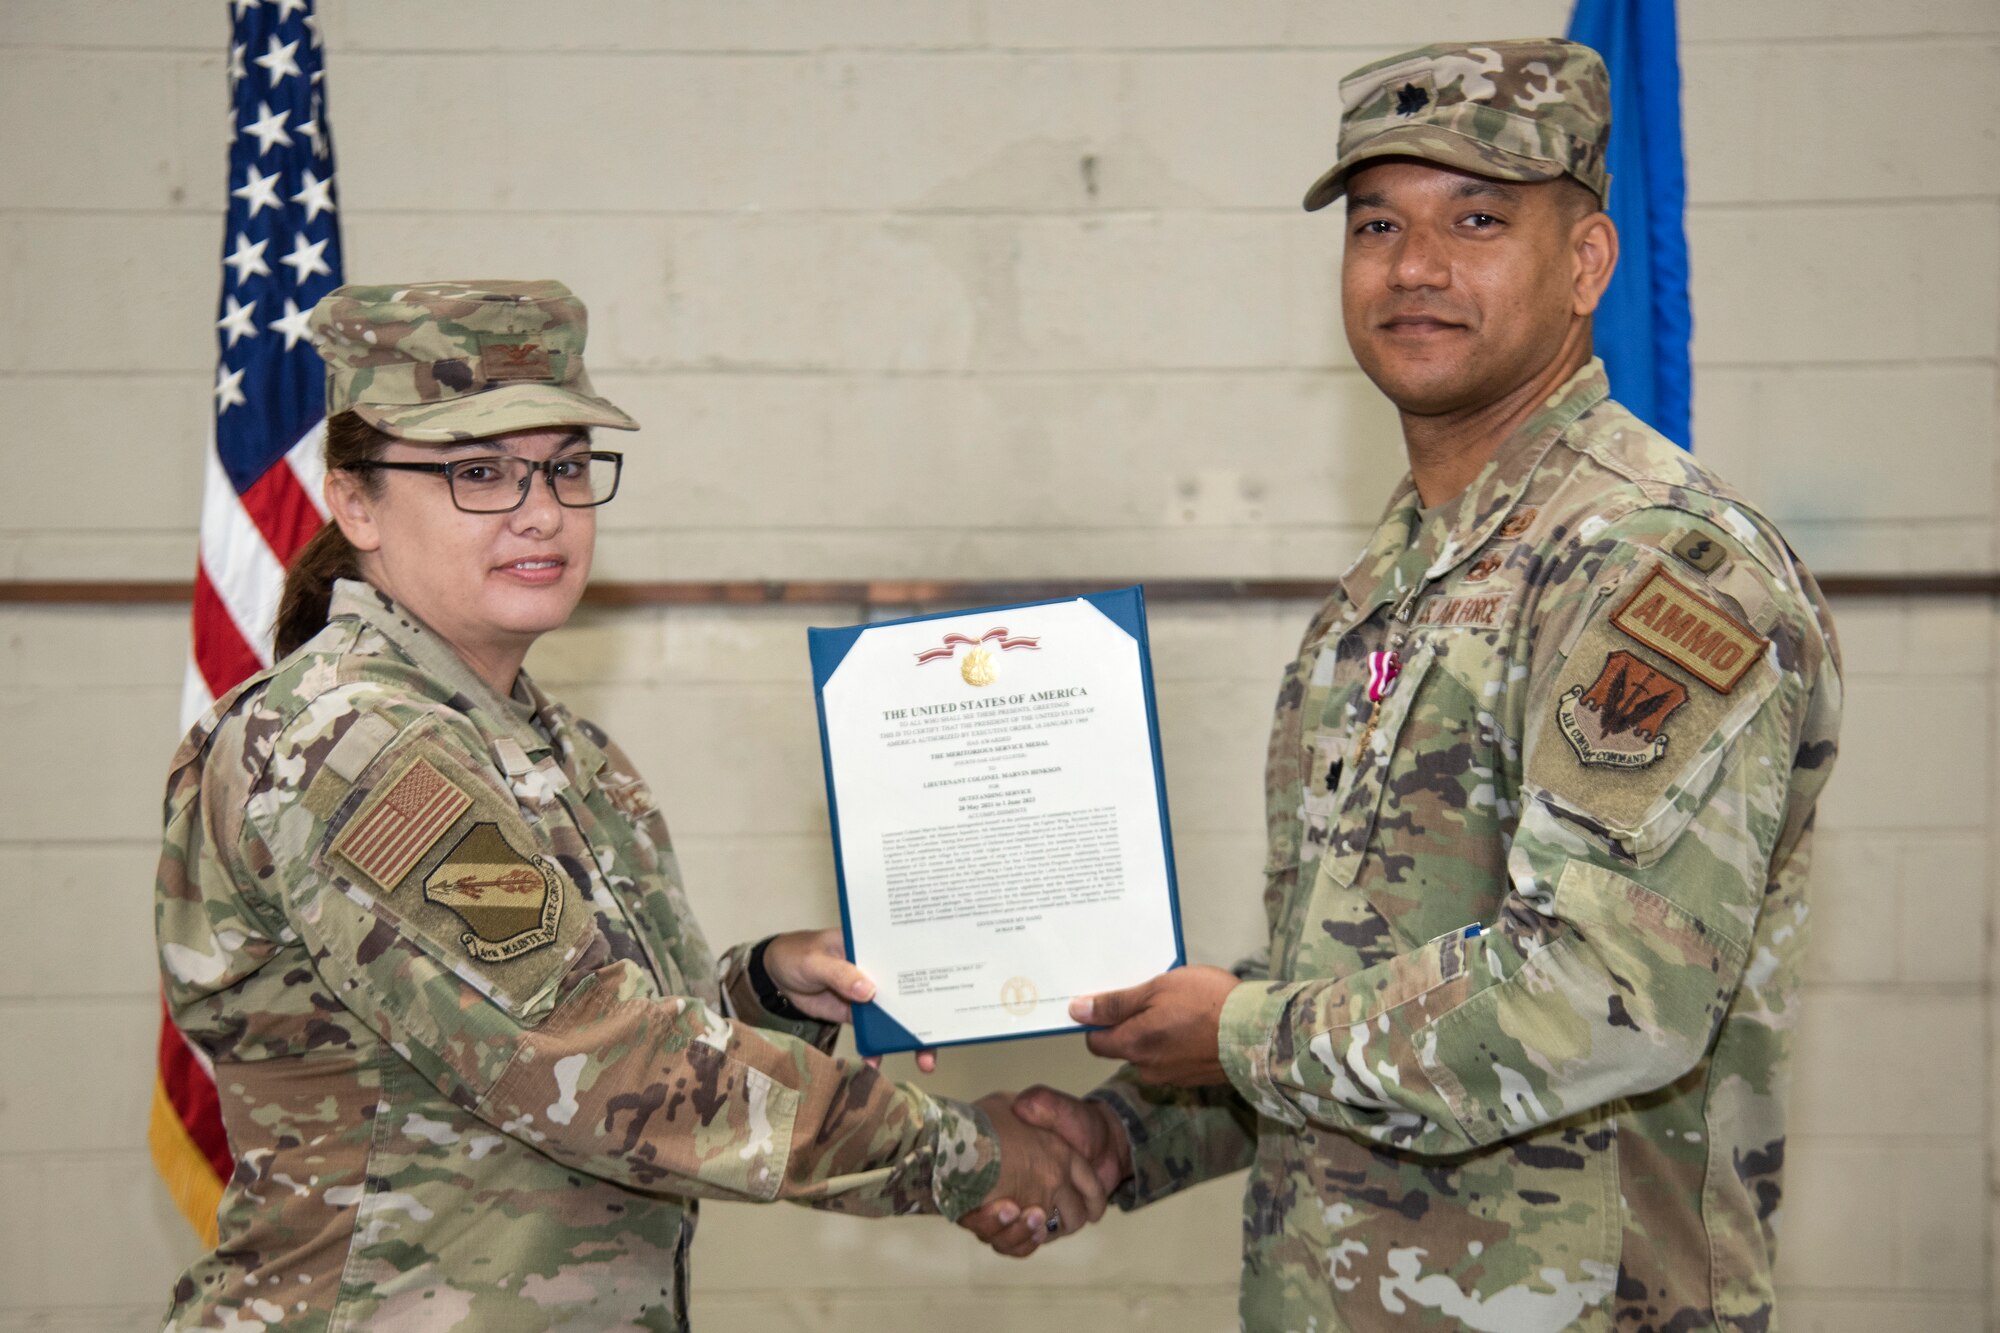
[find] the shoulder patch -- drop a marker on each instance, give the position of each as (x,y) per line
(1620,720)
(1637,715)
(511,900)
(403,820)
(436,850)
(1687,629)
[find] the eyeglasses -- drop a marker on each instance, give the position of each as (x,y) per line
(500,485)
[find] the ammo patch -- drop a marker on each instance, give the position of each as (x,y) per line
(1703,553)
(1479,611)
(1689,630)
(1620,721)
(512,902)
(393,830)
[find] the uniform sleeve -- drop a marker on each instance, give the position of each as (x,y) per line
(446,924)
(1662,729)
(1179,1137)
(740,1002)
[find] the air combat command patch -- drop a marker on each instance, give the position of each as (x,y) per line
(1653,682)
(1619,721)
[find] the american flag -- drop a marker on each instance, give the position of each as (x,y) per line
(387,841)
(280,254)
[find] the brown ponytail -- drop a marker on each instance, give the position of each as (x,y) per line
(302,607)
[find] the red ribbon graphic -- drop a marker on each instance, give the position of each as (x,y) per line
(999,635)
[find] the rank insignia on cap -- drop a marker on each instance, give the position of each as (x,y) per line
(511,902)
(394,830)
(515,361)
(1618,721)
(1410,99)
(1687,629)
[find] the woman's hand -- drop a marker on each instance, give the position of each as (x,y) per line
(811,968)
(1046,1189)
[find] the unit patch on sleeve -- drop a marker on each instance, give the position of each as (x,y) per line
(511,901)
(1689,630)
(1652,683)
(1619,720)
(396,828)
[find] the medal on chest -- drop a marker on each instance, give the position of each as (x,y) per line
(1384,666)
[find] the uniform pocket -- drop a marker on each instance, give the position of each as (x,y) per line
(1356,803)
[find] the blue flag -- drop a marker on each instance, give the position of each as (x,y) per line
(1644,323)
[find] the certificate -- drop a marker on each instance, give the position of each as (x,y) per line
(999,815)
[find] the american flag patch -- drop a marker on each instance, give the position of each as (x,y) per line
(401,824)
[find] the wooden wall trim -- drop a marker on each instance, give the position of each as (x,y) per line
(934,592)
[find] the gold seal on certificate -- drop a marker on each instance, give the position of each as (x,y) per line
(999,815)
(1018,996)
(978,668)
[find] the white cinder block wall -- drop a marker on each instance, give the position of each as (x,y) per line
(990,288)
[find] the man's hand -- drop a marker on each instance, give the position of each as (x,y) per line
(811,968)
(1047,1189)
(1168,1028)
(1091,1128)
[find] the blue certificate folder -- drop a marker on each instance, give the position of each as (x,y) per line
(877,1032)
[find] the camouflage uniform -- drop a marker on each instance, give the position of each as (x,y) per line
(438,362)
(1523,110)
(1540,792)
(475,1058)
(1616,706)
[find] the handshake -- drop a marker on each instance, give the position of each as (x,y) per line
(1061,1157)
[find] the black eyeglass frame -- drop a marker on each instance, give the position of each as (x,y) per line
(545,466)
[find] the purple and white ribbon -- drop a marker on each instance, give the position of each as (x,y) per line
(1383,668)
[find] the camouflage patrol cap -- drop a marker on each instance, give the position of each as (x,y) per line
(1523,110)
(443,361)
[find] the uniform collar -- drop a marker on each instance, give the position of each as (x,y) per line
(575,751)
(497,716)
(1462,526)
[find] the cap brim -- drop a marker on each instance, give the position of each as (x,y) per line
(495,411)
(1430,143)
